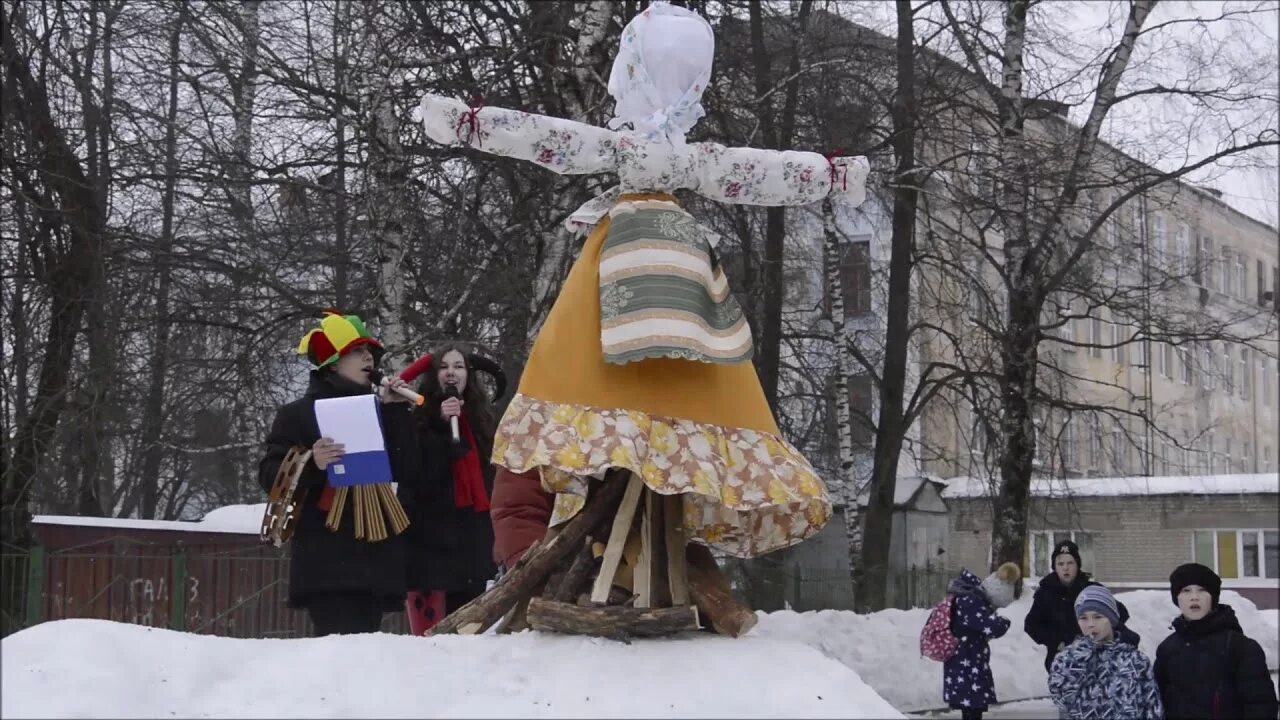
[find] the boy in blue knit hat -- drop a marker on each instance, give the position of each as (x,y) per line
(1096,676)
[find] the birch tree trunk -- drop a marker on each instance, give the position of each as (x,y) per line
(846,493)
(553,262)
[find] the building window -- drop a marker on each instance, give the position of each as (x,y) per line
(1211,462)
(1119,448)
(1144,360)
(1067,445)
(1226,273)
(1041,544)
(1166,360)
(1242,279)
(1246,374)
(1206,366)
(1116,341)
(977,434)
(1112,235)
(1236,554)
(1228,369)
(1246,457)
(1188,368)
(1161,249)
(1204,268)
(855,278)
(1095,333)
(1268,373)
(1182,258)
(860,403)
(1096,448)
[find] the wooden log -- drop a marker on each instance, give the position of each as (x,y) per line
(617,539)
(610,621)
(710,590)
(576,580)
(515,620)
(675,541)
(538,561)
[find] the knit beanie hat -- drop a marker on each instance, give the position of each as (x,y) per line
(1066,547)
(1001,585)
(1100,600)
(1194,574)
(337,335)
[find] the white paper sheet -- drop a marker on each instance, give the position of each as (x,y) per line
(351,421)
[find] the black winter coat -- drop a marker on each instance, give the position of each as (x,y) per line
(325,562)
(1209,669)
(450,548)
(1052,618)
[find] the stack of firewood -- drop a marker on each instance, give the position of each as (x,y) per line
(621,568)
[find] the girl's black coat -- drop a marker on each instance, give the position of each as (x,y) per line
(450,548)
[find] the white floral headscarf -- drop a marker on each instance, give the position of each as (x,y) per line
(662,68)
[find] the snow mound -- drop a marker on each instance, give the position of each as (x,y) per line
(97,668)
(884,649)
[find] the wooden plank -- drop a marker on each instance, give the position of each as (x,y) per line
(610,620)
(526,577)
(677,564)
(617,539)
(647,565)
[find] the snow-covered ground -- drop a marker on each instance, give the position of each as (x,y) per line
(816,664)
(96,668)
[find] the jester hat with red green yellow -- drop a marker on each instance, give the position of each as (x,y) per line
(337,335)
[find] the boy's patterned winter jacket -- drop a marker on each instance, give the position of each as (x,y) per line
(1111,680)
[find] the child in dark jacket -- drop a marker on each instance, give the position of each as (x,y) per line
(1208,668)
(1097,675)
(967,682)
(1051,622)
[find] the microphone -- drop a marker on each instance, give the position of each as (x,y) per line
(404,392)
(451,391)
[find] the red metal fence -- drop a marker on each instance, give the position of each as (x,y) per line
(218,583)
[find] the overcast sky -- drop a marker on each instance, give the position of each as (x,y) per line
(1162,131)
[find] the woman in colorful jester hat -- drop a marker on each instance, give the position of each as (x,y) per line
(345,584)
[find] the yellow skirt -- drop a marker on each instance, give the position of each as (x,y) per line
(701,430)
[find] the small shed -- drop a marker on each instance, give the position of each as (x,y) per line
(918,563)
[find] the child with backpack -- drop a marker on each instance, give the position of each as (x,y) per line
(958,633)
(1208,668)
(1097,675)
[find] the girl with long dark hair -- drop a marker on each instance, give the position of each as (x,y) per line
(450,535)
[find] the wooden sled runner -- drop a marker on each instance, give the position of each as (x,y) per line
(620,568)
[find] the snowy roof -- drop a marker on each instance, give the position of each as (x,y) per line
(236,519)
(903,490)
(1252,484)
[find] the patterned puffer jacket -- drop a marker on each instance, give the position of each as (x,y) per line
(1110,680)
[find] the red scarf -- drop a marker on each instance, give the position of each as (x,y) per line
(468,478)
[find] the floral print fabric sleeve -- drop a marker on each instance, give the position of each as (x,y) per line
(750,176)
(562,146)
